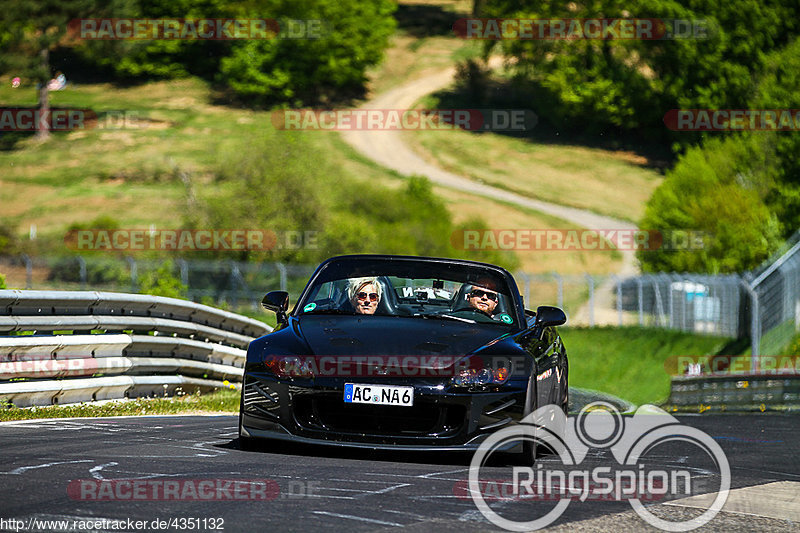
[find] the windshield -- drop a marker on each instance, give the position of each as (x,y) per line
(423,291)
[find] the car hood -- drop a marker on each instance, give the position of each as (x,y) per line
(374,335)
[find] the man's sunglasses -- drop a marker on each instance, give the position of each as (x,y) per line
(373,296)
(477,293)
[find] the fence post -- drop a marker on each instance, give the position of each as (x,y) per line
(619,299)
(560,281)
(671,307)
(526,291)
(282,272)
(755,326)
(82,265)
(184,268)
(28,271)
(590,282)
(134,268)
(640,298)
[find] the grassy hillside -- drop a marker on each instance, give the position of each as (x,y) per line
(134,175)
(629,362)
(587,178)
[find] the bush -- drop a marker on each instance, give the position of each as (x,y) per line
(302,71)
(717,188)
(162,282)
(98,270)
(285,183)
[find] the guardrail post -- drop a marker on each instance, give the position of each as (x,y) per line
(282,272)
(84,276)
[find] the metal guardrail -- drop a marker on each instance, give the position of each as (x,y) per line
(65,347)
(735,392)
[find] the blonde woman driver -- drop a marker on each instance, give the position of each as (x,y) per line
(364,294)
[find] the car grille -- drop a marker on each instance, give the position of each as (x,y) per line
(259,397)
(330,413)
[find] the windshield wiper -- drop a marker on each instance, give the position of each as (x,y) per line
(328,312)
(449,317)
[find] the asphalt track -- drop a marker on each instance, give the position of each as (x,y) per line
(320,488)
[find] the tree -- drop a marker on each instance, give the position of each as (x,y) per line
(719,189)
(777,89)
(352,37)
(631,83)
(33,28)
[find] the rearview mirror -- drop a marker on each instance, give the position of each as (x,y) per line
(550,316)
(277,302)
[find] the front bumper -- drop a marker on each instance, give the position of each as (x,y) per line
(314,412)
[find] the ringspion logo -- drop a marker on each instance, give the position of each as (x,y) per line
(630,476)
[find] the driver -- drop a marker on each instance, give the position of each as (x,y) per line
(364,294)
(482,298)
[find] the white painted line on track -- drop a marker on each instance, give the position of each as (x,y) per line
(780,499)
(359,518)
(23,469)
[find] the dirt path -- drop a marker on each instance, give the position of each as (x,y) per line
(388,149)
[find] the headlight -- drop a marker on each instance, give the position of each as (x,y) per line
(290,366)
(480,377)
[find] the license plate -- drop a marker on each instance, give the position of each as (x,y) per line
(378,394)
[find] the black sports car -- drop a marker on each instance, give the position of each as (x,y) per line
(404,353)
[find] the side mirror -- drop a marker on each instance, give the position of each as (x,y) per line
(550,316)
(277,302)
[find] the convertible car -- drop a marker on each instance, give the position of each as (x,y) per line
(403,353)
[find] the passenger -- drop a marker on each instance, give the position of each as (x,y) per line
(364,294)
(483,299)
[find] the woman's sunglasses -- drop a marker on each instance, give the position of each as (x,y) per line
(373,296)
(477,293)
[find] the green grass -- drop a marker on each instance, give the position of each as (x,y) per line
(629,362)
(224,401)
(576,176)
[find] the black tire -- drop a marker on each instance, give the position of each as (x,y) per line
(530,451)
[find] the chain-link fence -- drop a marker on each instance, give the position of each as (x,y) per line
(215,282)
(763,305)
(775,289)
